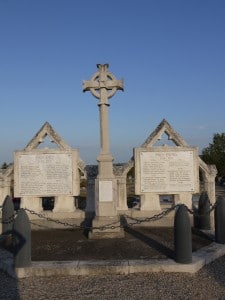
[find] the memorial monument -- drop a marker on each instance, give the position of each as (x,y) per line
(48,173)
(103,85)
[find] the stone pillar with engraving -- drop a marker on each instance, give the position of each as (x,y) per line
(103,85)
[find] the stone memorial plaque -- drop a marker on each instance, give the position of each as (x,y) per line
(105,191)
(44,174)
(167,171)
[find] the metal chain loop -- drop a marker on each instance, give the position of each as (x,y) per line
(151,219)
(134,221)
(196,214)
(41,216)
(9,220)
(108,226)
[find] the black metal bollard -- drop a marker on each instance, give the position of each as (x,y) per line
(219,215)
(182,236)
(22,240)
(204,212)
(7,215)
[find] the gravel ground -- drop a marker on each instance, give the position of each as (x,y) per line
(208,283)
(138,243)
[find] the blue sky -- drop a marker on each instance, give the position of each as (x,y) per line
(170,53)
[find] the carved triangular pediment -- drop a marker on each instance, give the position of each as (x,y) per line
(47,130)
(164,128)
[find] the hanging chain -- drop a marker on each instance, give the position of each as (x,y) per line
(151,219)
(42,216)
(196,214)
(114,225)
(9,220)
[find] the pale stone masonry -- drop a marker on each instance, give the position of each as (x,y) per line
(38,173)
(103,85)
(149,204)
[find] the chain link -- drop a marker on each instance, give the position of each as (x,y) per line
(41,216)
(114,225)
(9,220)
(151,219)
(195,211)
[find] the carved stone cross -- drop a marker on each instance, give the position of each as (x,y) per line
(103,85)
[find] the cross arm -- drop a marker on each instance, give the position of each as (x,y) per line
(87,85)
(118,84)
(108,84)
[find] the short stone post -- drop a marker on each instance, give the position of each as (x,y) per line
(7,215)
(220,220)
(204,212)
(22,240)
(182,236)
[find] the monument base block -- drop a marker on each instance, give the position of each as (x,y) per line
(106,228)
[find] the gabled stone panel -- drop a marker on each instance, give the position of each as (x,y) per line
(46,130)
(164,127)
(208,171)
(48,172)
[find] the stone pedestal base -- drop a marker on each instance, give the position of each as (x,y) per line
(64,204)
(183,198)
(149,202)
(111,231)
(32,203)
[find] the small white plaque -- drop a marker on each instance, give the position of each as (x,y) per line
(105,191)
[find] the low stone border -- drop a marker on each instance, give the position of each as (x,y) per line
(200,258)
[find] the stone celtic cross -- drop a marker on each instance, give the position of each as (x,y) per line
(103,85)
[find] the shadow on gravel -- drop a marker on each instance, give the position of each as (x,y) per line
(8,284)
(147,240)
(8,287)
(201,234)
(216,271)
(137,243)
(87,223)
(150,242)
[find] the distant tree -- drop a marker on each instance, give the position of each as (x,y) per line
(4,165)
(215,153)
